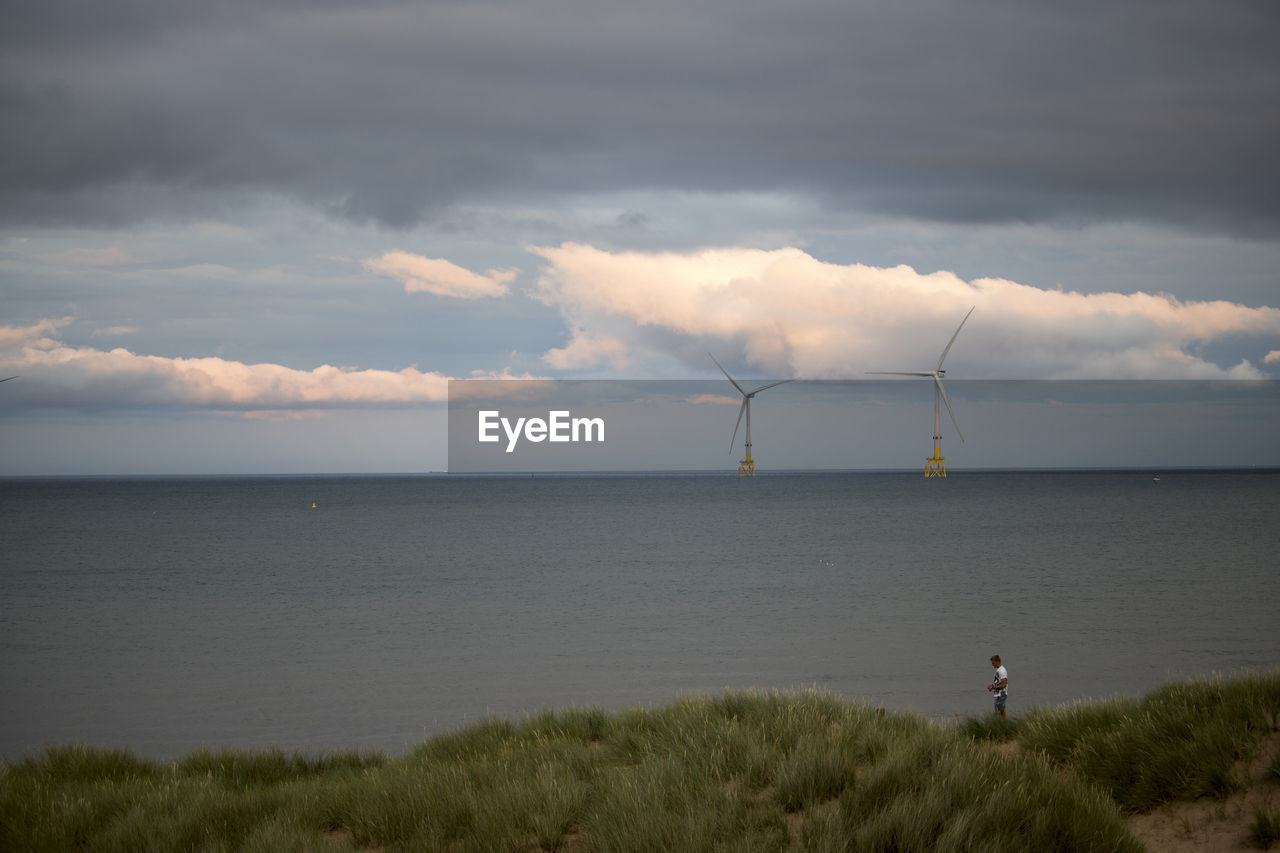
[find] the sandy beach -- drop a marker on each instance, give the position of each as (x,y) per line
(1212,825)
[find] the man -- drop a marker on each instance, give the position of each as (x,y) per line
(999,685)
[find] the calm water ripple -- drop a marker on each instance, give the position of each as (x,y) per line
(167,614)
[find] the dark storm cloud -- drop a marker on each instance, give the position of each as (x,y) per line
(981,111)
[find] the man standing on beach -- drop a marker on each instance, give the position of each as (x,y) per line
(999,685)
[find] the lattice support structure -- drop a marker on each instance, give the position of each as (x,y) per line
(935,466)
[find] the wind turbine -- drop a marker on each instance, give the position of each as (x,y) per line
(936,466)
(747,467)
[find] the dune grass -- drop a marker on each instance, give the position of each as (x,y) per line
(1264,832)
(755,771)
(1179,742)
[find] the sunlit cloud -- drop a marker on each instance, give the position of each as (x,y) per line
(61,375)
(37,335)
(421,274)
(789,314)
(588,349)
(713,399)
(1272,357)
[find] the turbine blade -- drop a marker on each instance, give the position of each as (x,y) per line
(943,357)
(745,401)
(770,385)
(727,376)
(949,412)
(7,378)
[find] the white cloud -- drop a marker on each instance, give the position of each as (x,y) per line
(1272,357)
(586,349)
(713,399)
(790,314)
(56,374)
(36,335)
(440,277)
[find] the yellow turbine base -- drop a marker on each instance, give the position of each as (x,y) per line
(746,468)
(935,466)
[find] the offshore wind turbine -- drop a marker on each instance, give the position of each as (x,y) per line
(935,466)
(747,467)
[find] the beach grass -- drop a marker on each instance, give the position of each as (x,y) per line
(1179,742)
(1264,832)
(749,771)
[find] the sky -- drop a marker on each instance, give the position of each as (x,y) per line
(261,237)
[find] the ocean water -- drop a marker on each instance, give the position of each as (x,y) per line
(317,613)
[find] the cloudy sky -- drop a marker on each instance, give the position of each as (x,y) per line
(252,237)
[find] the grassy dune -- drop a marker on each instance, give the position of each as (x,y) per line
(735,772)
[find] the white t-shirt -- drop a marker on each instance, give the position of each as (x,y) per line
(1001,675)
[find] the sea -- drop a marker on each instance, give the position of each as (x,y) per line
(336,613)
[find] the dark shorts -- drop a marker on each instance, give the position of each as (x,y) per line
(1000,700)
